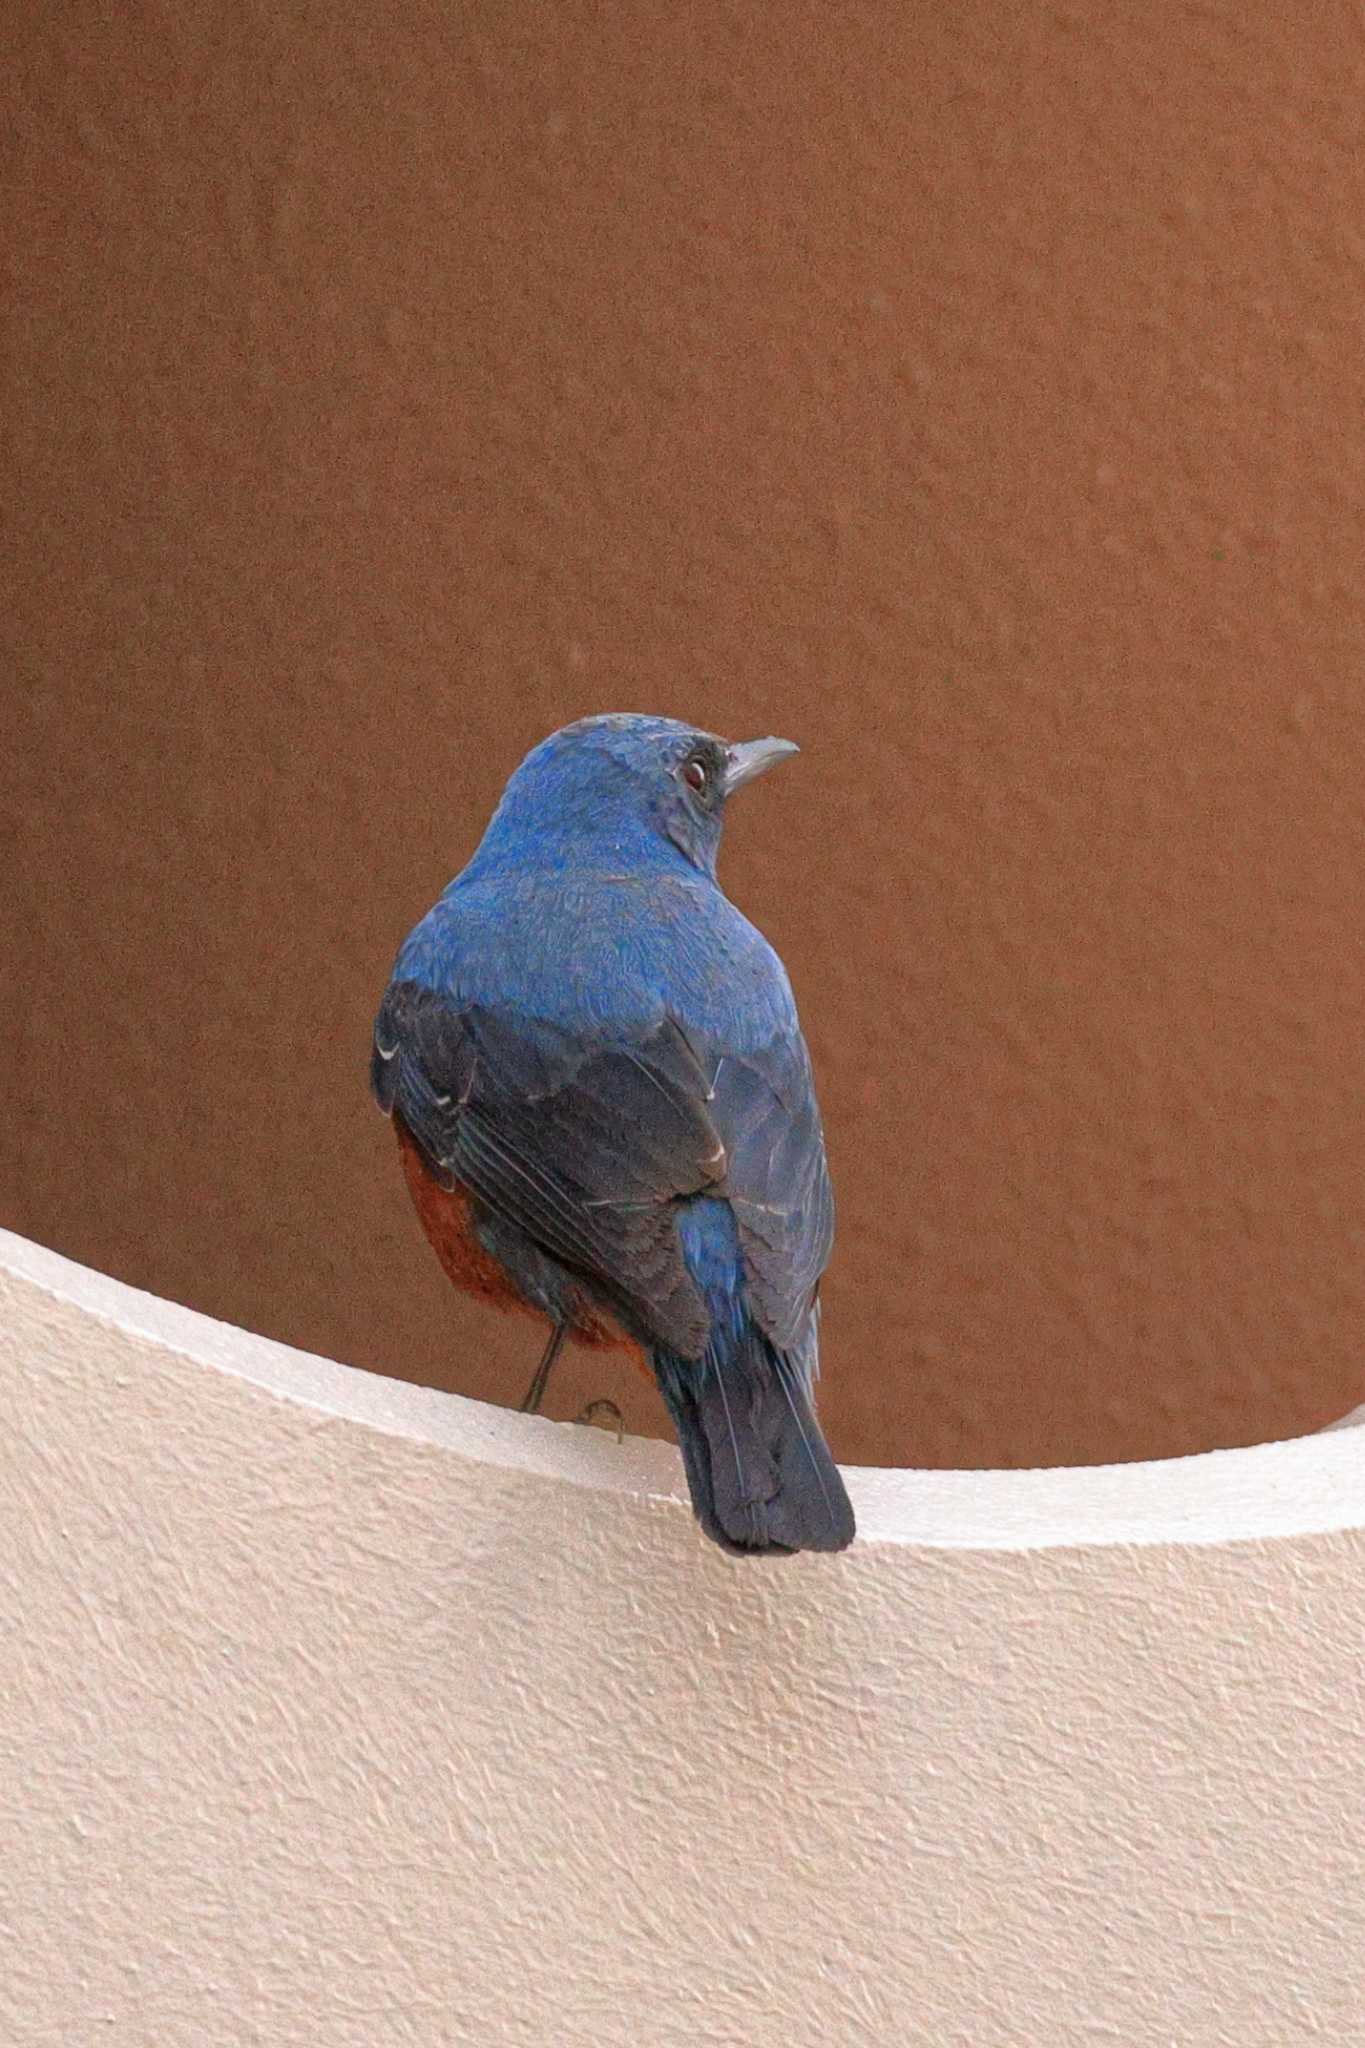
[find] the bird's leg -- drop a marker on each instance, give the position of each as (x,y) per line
(535,1393)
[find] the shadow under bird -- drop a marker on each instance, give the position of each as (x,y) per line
(606,1112)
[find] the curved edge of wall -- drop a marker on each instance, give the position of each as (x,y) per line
(348,1711)
(1301,1486)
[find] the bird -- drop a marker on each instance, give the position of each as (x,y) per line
(606,1111)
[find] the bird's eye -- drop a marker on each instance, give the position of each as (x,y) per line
(696,774)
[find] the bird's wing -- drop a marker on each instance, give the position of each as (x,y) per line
(764,1107)
(583,1142)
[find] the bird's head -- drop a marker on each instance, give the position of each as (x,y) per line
(647,791)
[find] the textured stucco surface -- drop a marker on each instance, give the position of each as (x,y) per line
(974,392)
(342,1711)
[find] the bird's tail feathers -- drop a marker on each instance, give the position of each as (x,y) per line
(760,1473)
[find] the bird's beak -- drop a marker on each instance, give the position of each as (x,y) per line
(751,757)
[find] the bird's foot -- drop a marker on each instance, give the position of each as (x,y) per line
(590,1414)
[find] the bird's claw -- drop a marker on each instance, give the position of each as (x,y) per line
(589,1416)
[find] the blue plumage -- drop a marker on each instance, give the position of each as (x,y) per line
(587,1040)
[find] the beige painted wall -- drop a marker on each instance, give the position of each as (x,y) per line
(974,391)
(341,1711)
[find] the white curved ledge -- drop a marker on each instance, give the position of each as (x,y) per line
(1303,1486)
(347,1712)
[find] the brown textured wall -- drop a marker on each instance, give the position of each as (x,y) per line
(973,393)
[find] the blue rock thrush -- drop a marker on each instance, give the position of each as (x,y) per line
(606,1111)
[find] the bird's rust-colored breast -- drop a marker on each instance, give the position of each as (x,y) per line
(445,1214)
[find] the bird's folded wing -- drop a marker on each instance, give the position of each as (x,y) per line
(587,1142)
(582,1142)
(778,1185)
